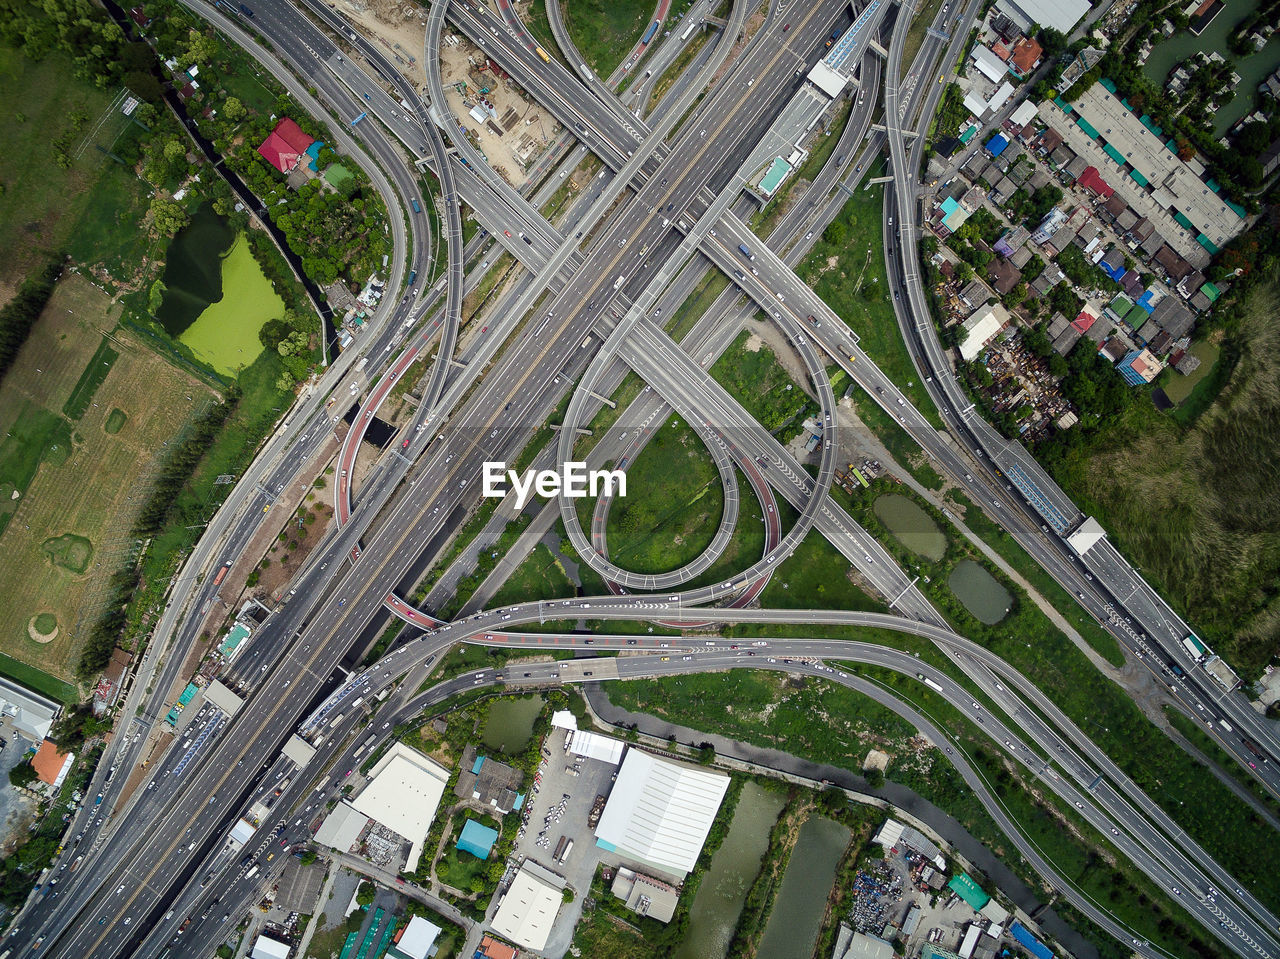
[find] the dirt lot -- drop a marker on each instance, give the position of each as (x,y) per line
(73,485)
(528,127)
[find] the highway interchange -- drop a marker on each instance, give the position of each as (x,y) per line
(680,187)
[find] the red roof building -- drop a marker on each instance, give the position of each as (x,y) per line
(49,763)
(1000,50)
(1084,321)
(1092,181)
(286,145)
(1026,54)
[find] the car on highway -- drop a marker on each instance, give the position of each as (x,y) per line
(507,234)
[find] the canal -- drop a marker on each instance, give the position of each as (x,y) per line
(1253,69)
(802,901)
(715,910)
(911,526)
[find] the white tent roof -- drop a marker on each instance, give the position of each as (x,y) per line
(403,795)
(268,948)
(659,812)
(594,746)
(563,719)
(981,327)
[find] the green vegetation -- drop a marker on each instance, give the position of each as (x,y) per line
(673,505)
(815,576)
(19,315)
(540,576)
(698,302)
(1199,515)
(485,562)
(769,709)
(35,436)
(750,371)
(68,551)
(604,32)
(1227,764)
(93,376)
(115,422)
(856,288)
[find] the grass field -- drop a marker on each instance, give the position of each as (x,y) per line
(750,371)
(540,576)
(77,488)
(1197,508)
(846,268)
(673,504)
(814,577)
(604,31)
(1180,387)
(91,209)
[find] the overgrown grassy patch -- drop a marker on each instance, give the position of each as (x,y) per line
(1197,508)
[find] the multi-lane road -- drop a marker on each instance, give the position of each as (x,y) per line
(672,188)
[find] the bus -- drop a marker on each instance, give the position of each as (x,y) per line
(857,474)
(542,53)
(648,34)
(688,31)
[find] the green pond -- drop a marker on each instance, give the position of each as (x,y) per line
(797,913)
(716,907)
(216,295)
(980,592)
(509,724)
(193,270)
(911,526)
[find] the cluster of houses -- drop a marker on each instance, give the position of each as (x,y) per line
(1148,219)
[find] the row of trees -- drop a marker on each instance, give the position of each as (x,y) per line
(19,315)
(160,505)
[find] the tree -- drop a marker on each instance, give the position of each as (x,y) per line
(234,110)
(155,297)
(567,895)
(366,893)
(835,232)
(167,217)
(874,776)
(201,48)
(1053,41)
(23,774)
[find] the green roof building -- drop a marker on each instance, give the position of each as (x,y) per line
(969,891)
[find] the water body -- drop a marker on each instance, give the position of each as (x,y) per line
(716,907)
(1253,69)
(980,592)
(509,724)
(193,270)
(911,526)
(797,912)
(225,335)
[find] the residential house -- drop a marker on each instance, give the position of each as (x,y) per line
(1004,275)
(1050,140)
(1025,57)
(1174,266)
(1172,315)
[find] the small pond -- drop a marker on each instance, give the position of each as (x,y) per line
(980,592)
(911,526)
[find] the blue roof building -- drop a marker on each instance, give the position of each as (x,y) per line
(996,145)
(477,839)
(1029,941)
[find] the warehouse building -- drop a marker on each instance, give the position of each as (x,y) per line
(659,812)
(403,793)
(529,906)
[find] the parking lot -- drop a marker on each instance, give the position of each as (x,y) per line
(559,806)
